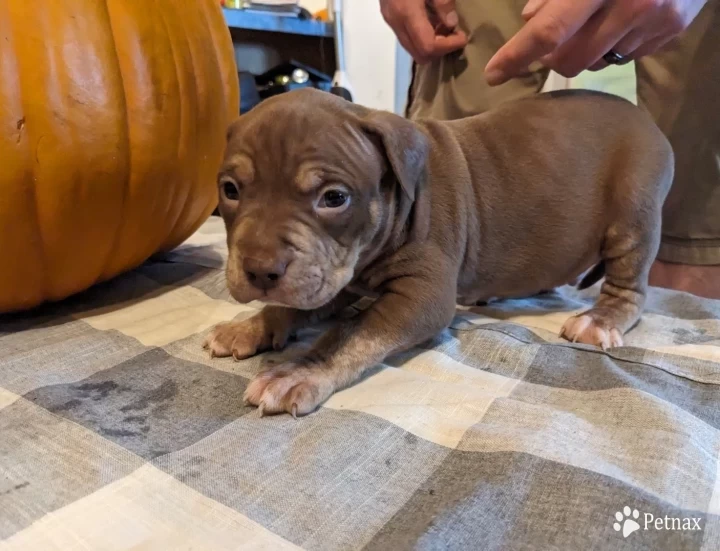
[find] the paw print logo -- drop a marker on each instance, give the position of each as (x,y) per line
(625,523)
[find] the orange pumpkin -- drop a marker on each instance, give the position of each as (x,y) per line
(113,116)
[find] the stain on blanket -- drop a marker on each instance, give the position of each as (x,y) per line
(98,391)
(15,488)
(692,336)
(153,404)
(166,391)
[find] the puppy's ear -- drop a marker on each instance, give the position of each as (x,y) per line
(406,147)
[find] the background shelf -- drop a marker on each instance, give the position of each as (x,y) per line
(254,21)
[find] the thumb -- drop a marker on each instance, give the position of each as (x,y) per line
(444,10)
(450,43)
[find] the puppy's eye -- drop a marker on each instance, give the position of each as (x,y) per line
(334,199)
(230,190)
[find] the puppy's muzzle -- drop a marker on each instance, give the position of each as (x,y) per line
(264,273)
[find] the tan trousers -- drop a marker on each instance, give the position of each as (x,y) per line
(679,86)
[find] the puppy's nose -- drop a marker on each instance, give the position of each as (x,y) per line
(264,274)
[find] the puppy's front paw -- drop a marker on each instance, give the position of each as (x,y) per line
(291,388)
(587,329)
(243,339)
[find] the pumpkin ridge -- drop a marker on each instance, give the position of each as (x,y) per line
(183,123)
(187,203)
(104,273)
(218,55)
(215,23)
(231,83)
(225,89)
(44,281)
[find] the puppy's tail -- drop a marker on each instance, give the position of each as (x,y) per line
(593,276)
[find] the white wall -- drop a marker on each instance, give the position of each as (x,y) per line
(371,54)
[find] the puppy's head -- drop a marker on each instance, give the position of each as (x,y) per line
(308,184)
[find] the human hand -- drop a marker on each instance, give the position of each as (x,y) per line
(569,36)
(427,29)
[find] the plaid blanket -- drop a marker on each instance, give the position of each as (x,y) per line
(118,432)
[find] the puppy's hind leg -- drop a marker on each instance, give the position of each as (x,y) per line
(628,253)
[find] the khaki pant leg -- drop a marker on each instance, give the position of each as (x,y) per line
(454,86)
(680,87)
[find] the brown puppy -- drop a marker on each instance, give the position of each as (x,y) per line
(324,200)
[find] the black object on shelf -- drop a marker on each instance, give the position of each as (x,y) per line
(288,76)
(290,9)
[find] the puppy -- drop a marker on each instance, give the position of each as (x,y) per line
(325,201)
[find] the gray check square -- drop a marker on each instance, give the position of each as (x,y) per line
(47,462)
(153,404)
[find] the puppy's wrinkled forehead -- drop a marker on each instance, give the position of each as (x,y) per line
(299,141)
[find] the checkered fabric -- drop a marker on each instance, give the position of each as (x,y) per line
(118,432)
